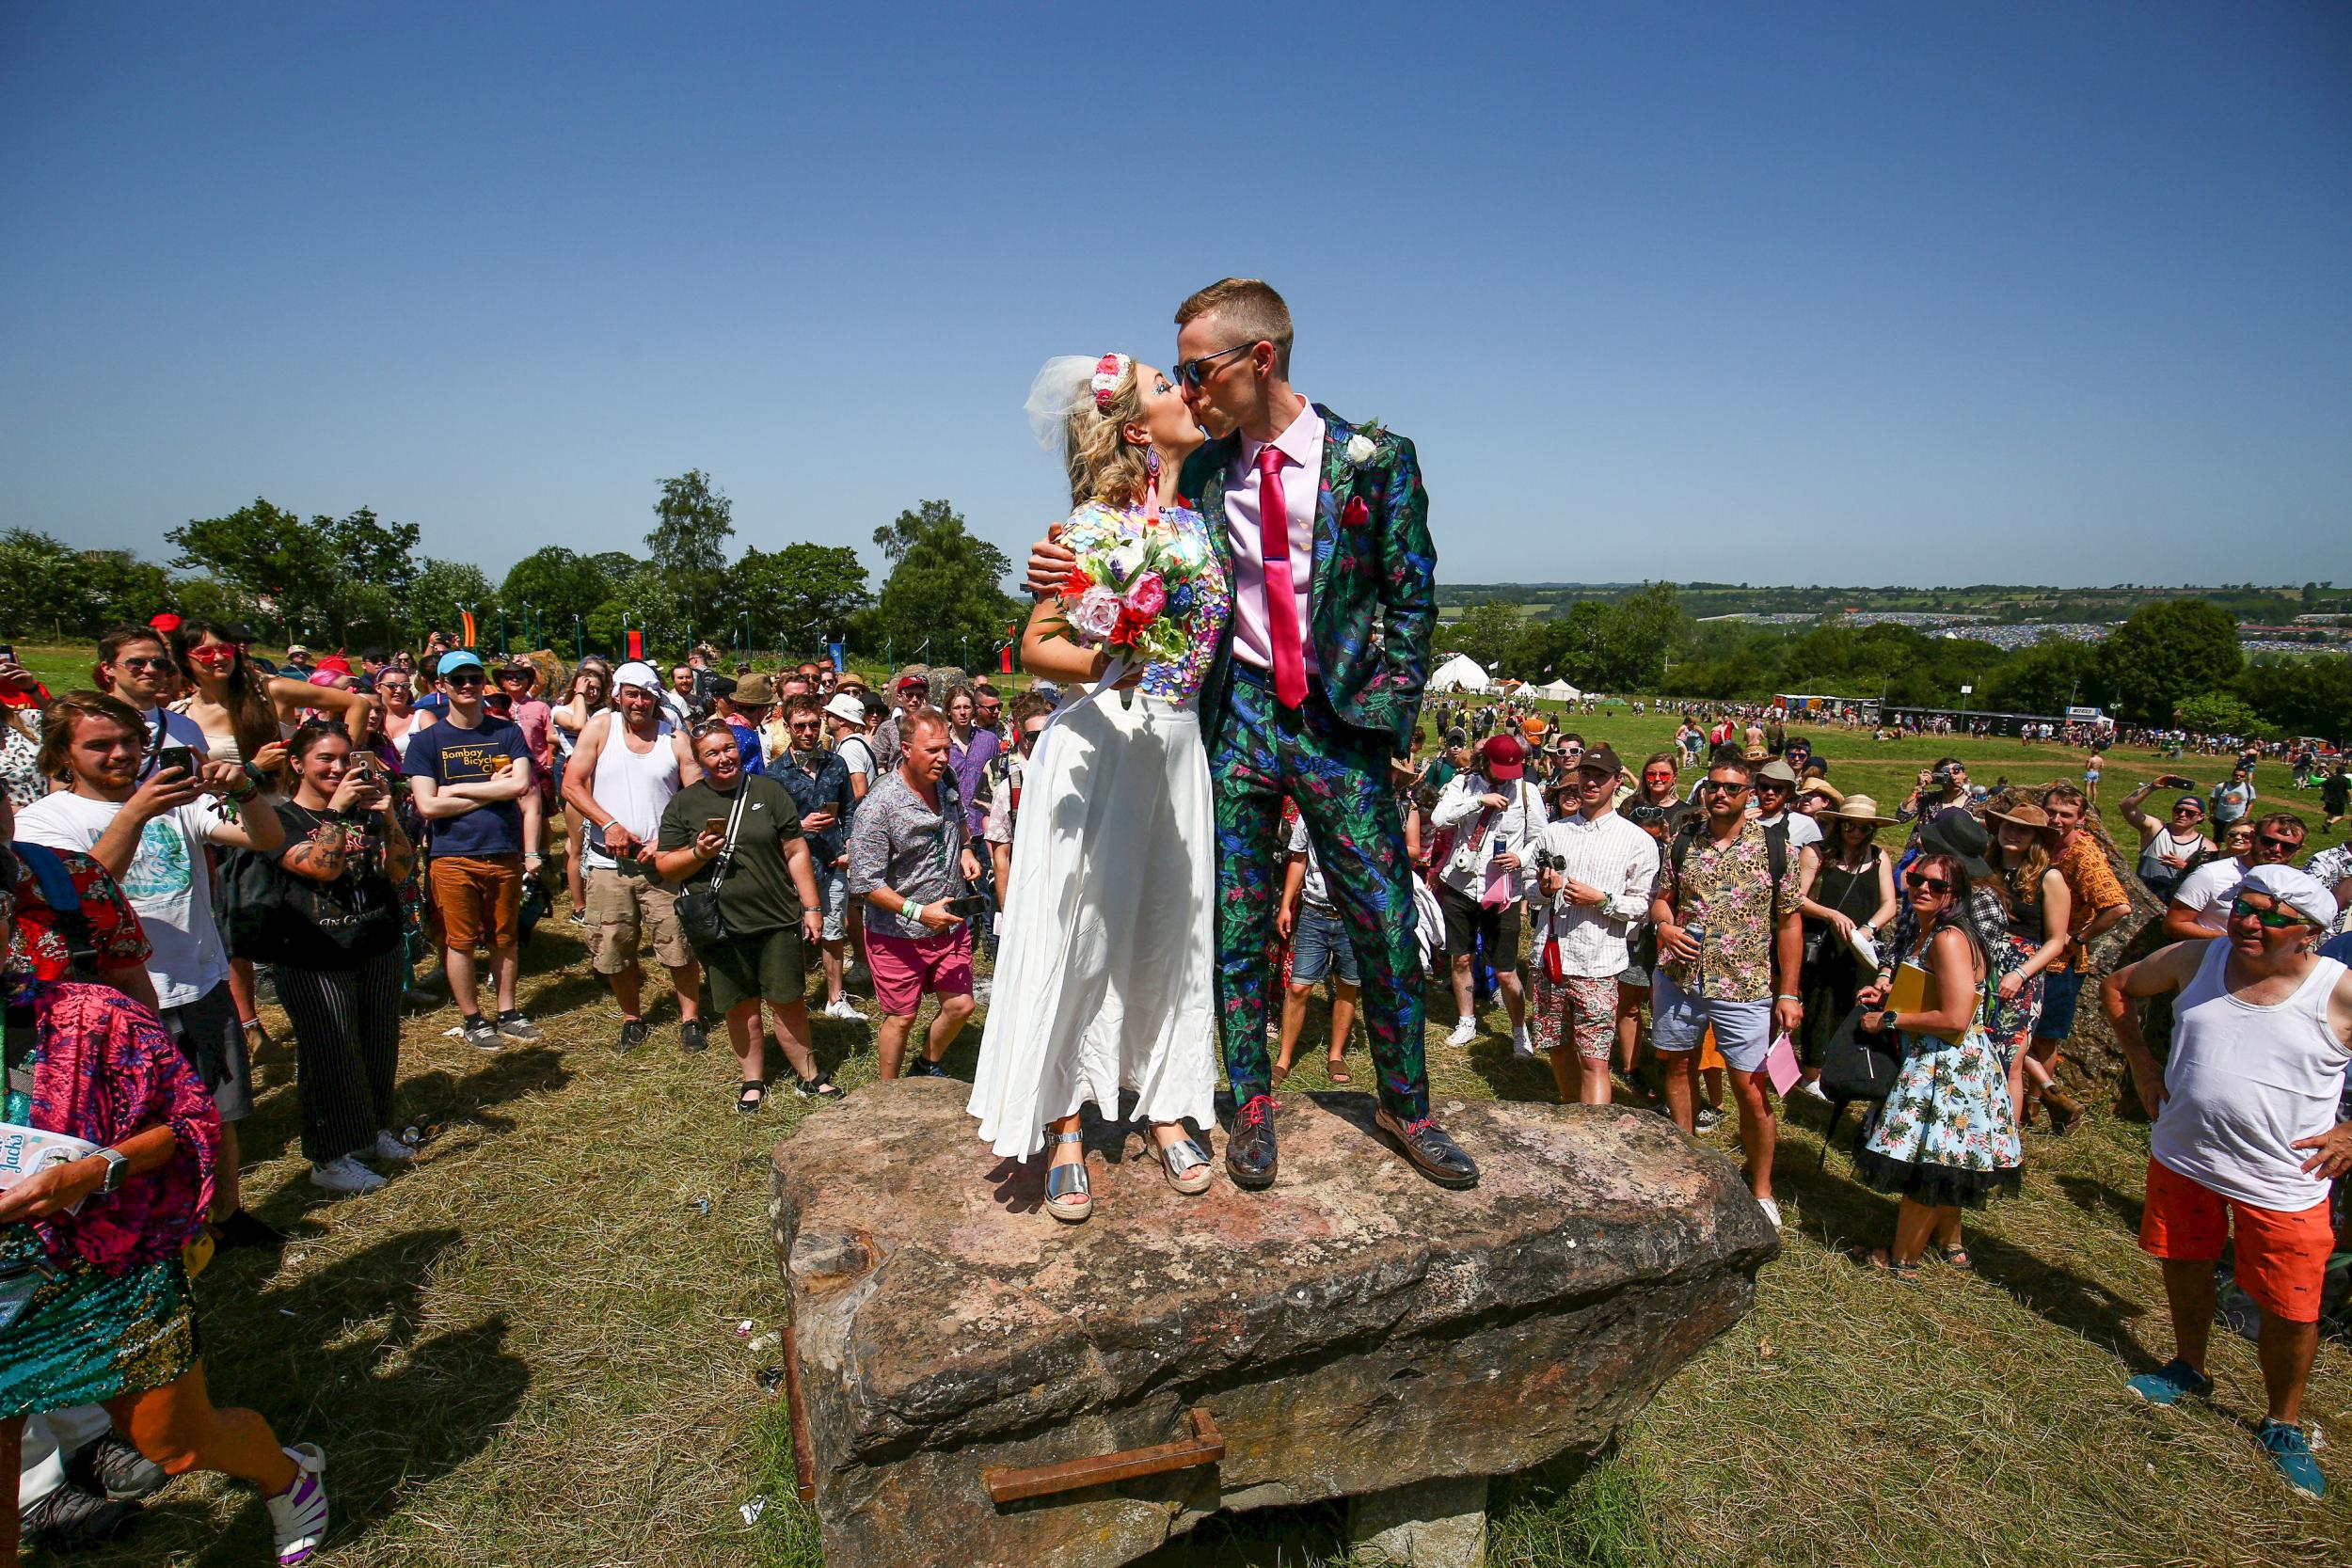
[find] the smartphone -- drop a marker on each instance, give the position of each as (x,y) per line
(8,650)
(2173,781)
(967,907)
(182,757)
(715,825)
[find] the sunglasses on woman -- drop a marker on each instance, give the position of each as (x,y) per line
(216,653)
(1918,883)
(2277,918)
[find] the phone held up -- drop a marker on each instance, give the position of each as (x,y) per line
(180,757)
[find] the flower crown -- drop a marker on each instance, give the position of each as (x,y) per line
(1108,371)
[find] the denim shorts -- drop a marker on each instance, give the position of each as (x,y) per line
(1744,1030)
(1319,947)
(2061,990)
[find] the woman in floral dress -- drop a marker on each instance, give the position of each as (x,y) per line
(1946,1138)
(2036,904)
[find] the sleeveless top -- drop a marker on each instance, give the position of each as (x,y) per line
(632,789)
(2160,878)
(1854,893)
(2245,1081)
(1203,604)
(2023,920)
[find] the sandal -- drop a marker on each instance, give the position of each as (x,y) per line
(1069,1196)
(1282,1070)
(1187,1166)
(1883,1261)
(1335,1068)
(752,1095)
(1956,1255)
(819,1088)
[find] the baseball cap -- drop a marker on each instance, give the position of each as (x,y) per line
(1502,759)
(1600,759)
(461,658)
(846,707)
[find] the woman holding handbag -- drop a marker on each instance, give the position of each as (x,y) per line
(1944,1139)
(1845,883)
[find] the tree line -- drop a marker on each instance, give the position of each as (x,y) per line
(2174,662)
(361,580)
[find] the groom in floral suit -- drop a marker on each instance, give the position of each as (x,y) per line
(1317,684)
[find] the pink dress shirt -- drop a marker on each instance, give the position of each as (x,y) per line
(1302,446)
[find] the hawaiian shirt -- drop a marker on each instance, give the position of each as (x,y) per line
(1730,892)
(37,948)
(2331,866)
(2093,885)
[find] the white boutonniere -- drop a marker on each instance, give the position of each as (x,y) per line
(1361,449)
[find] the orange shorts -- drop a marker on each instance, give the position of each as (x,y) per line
(2282,1257)
(480,900)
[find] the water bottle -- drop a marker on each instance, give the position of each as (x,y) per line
(1697,930)
(1498,893)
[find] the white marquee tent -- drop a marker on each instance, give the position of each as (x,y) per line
(1558,691)
(1459,673)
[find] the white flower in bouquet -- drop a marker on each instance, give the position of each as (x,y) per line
(1096,613)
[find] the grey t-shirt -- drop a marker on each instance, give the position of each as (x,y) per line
(899,843)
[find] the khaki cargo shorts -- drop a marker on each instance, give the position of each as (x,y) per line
(623,909)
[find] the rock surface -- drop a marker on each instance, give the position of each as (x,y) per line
(1352,1330)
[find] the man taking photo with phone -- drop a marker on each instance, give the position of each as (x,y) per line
(908,862)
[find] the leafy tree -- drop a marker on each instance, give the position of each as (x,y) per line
(2046,678)
(691,524)
(330,578)
(1489,632)
(444,588)
(48,585)
(942,587)
(2166,652)
(799,594)
(2302,696)
(2218,713)
(556,584)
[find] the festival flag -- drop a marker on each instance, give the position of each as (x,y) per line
(636,644)
(465,620)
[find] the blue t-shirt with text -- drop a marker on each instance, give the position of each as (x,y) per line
(450,756)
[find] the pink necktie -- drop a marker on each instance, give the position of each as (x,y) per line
(1281,598)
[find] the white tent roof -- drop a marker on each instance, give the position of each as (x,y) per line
(1558,691)
(1459,673)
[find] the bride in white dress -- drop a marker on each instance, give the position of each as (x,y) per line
(1105,976)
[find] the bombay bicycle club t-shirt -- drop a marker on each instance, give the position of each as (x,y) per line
(449,756)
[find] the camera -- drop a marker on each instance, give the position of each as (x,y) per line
(1941,778)
(1546,860)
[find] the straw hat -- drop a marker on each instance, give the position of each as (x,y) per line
(2024,814)
(1827,790)
(1856,808)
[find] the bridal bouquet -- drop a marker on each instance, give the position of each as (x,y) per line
(1129,594)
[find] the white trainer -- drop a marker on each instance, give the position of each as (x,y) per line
(346,1174)
(1522,1044)
(1772,1211)
(298,1515)
(843,1008)
(390,1150)
(1464,1031)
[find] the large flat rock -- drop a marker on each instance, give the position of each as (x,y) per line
(1352,1329)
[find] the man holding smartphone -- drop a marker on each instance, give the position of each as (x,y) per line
(908,862)
(135,665)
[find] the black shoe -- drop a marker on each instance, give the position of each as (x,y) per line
(113,1466)
(1434,1155)
(72,1520)
(244,1228)
(691,1036)
(633,1033)
(1251,1157)
(923,1067)
(819,1088)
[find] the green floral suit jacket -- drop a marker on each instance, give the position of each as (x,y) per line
(1372,603)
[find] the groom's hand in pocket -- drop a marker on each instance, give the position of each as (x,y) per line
(1049,564)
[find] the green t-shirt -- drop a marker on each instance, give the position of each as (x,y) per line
(759,895)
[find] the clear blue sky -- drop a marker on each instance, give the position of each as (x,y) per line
(1775,292)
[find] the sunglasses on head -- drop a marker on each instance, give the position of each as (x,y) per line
(1190,373)
(1918,882)
(2277,918)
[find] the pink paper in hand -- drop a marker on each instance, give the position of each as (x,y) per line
(1780,1066)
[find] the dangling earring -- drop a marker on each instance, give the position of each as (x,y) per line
(1151,484)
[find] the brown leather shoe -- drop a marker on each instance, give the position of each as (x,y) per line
(1431,1153)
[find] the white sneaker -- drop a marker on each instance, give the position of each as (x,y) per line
(390,1150)
(1464,1031)
(1813,1087)
(297,1515)
(1522,1046)
(843,1008)
(346,1174)
(982,988)
(1772,1211)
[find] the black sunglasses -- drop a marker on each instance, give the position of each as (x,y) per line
(1726,786)
(2273,841)
(467,677)
(1926,884)
(1189,372)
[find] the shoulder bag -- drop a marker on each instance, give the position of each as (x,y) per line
(698,907)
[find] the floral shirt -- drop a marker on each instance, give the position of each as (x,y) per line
(37,948)
(2093,884)
(1731,893)
(1203,602)
(20,759)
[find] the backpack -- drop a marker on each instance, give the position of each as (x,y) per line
(59,892)
(1775,847)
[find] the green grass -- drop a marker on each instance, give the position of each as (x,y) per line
(525,1351)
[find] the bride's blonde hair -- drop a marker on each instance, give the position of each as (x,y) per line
(1105,466)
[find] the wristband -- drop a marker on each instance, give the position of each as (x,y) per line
(1786,997)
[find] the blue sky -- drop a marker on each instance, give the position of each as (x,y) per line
(1789,292)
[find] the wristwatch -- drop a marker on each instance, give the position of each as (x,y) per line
(118,1166)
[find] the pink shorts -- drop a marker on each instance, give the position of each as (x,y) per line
(904,968)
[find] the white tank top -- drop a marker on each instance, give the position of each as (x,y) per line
(632,788)
(2245,1082)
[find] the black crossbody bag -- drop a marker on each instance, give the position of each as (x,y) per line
(698,907)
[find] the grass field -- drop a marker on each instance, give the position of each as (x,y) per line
(526,1350)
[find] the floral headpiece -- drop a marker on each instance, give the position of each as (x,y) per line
(1108,371)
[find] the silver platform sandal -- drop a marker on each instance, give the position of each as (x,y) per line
(1187,1166)
(1068,1194)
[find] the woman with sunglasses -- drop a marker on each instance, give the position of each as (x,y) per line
(2037,908)
(1845,883)
(2169,849)
(1945,1137)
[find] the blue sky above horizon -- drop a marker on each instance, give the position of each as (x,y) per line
(1806,293)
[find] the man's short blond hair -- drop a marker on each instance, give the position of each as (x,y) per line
(1251,308)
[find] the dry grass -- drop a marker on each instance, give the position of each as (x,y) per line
(525,1351)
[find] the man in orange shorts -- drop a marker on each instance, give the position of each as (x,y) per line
(2246,1138)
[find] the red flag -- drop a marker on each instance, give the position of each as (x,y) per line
(465,618)
(636,644)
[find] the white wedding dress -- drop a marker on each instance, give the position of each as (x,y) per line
(1105,975)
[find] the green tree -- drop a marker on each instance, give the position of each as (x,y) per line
(798,595)
(2218,713)
(2046,678)
(2302,696)
(555,584)
(334,580)
(444,588)
(1490,631)
(942,587)
(2166,652)
(49,586)
(689,543)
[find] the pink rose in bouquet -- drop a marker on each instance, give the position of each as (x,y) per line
(1147,595)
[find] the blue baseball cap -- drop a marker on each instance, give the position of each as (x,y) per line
(451,664)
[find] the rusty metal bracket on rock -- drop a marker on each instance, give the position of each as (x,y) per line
(803,1451)
(1206,1446)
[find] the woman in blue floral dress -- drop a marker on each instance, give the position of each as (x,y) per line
(1105,978)
(1946,1138)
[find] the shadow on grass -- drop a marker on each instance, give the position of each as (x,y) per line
(2097,1197)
